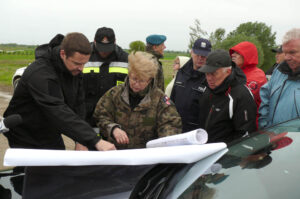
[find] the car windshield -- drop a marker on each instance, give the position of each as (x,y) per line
(263,165)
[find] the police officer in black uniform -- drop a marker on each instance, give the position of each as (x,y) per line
(189,85)
(107,67)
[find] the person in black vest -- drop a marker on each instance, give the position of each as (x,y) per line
(189,85)
(107,67)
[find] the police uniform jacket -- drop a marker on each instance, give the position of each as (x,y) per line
(188,87)
(101,74)
(154,116)
(228,111)
(50,101)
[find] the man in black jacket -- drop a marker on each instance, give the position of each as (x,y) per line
(50,98)
(107,67)
(227,108)
(189,85)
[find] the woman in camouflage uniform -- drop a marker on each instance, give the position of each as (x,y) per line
(135,112)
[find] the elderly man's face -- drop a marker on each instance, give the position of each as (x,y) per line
(198,60)
(291,51)
(159,48)
(216,78)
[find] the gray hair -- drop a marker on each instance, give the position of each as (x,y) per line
(226,68)
(292,34)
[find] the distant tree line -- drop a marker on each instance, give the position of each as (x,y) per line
(256,32)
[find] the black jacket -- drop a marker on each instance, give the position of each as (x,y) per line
(229,111)
(101,74)
(189,86)
(50,101)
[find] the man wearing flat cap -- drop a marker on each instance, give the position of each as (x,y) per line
(279,56)
(107,67)
(227,108)
(156,46)
(189,85)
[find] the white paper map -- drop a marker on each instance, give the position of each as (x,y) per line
(173,154)
(198,136)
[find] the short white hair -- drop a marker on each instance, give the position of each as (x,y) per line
(226,68)
(292,34)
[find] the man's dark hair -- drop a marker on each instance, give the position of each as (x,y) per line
(149,47)
(76,42)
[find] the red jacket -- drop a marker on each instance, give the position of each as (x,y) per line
(255,76)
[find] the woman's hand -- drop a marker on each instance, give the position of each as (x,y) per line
(120,136)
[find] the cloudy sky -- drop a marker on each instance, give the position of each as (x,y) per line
(37,21)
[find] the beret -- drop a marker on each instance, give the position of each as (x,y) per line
(156,39)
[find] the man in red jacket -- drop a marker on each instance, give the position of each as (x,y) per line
(245,56)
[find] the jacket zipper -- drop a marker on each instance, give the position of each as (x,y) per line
(209,115)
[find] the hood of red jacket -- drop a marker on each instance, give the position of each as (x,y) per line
(249,52)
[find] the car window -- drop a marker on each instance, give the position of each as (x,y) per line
(264,165)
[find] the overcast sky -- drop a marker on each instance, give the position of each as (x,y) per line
(37,21)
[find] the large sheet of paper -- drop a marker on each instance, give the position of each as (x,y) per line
(173,154)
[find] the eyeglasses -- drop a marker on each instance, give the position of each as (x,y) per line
(138,81)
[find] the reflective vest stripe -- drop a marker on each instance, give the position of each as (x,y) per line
(119,64)
(90,69)
(93,64)
(118,70)
(114,67)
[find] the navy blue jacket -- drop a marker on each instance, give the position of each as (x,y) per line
(188,87)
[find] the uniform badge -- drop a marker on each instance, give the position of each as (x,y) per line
(167,100)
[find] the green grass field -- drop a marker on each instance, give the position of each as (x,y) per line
(9,63)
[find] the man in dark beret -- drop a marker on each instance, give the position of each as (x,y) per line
(156,46)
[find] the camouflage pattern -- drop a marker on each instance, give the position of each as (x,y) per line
(155,116)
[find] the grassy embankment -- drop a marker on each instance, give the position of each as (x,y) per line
(9,63)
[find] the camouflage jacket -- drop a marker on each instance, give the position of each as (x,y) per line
(155,116)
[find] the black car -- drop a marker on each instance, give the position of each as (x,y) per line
(264,165)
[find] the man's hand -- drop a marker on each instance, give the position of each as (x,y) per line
(120,136)
(80,147)
(103,145)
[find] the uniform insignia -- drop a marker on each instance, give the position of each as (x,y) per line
(203,45)
(167,100)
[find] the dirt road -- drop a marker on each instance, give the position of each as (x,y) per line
(5,96)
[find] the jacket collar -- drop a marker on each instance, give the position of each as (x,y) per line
(189,70)
(285,69)
(236,77)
